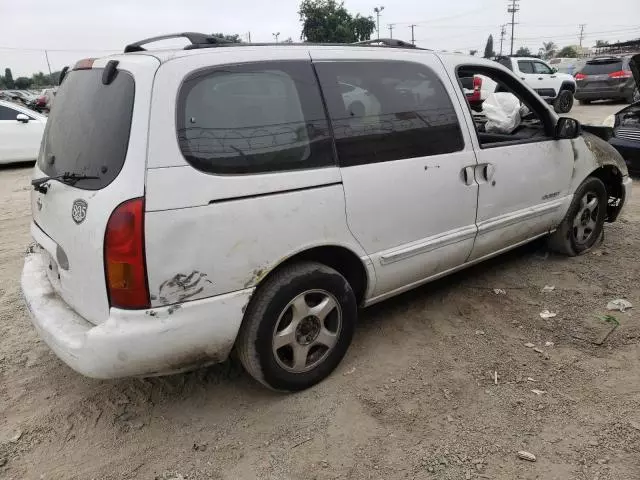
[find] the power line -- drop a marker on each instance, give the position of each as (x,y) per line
(413,37)
(503,32)
(391,25)
(512,9)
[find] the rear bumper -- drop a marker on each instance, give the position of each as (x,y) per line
(133,342)
(629,150)
(604,93)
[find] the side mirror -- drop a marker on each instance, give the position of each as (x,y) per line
(554,69)
(567,128)
(21,117)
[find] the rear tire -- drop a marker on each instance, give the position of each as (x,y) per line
(298,326)
(633,97)
(563,102)
(583,225)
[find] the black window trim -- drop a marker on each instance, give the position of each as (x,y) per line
(452,100)
(531,100)
(203,71)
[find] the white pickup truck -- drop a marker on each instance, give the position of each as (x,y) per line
(555,88)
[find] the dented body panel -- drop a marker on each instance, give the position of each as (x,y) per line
(132,342)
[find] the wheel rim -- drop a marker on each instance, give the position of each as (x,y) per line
(307,330)
(586,220)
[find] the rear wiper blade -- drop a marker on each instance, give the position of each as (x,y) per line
(71,178)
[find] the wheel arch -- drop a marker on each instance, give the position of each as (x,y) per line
(566,85)
(344,260)
(612,178)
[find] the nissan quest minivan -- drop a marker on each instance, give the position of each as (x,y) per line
(192,202)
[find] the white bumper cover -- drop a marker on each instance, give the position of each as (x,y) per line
(133,342)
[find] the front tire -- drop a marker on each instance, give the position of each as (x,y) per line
(563,102)
(583,226)
(298,326)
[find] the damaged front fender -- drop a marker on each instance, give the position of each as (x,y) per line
(593,156)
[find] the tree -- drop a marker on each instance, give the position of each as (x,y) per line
(473,52)
(488,49)
(8,79)
(327,21)
(601,43)
(235,38)
(569,51)
(22,83)
(288,40)
(549,49)
(523,52)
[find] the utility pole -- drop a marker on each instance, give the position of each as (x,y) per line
(46,55)
(276,35)
(249,36)
(503,32)
(513,8)
(391,25)
(582,25)
(413,38)
(378,11)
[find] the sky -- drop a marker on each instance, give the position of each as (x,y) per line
(73,29)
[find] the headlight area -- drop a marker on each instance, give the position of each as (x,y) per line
(610,121)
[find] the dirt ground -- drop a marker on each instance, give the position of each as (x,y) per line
(416,396)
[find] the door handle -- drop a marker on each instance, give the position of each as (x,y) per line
(489,171)
(553,76)
(467,175)
(540,78)
(522,78)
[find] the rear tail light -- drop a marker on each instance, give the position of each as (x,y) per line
(580,76)
(621,74)
(477,87)
(124,257)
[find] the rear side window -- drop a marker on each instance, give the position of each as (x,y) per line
(88,130)
(525,66)
(397,110)
(602,68)
(253,118)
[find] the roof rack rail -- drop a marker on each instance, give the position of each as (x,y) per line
(203,40)
(193,37)
(387,42)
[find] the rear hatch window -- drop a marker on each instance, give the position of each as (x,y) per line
(88,129)
(602,67)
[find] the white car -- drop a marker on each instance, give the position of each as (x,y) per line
(556,88)
(21,132)
(236,202)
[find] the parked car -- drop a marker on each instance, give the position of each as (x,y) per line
(556,88)
(570,66)
(606,78)
(626,125)
(21,132)
(186,220)
(44,101)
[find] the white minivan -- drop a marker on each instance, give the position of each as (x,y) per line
(190,203)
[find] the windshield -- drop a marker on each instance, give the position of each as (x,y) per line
(88,130)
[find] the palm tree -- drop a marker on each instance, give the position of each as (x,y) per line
(550,49)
